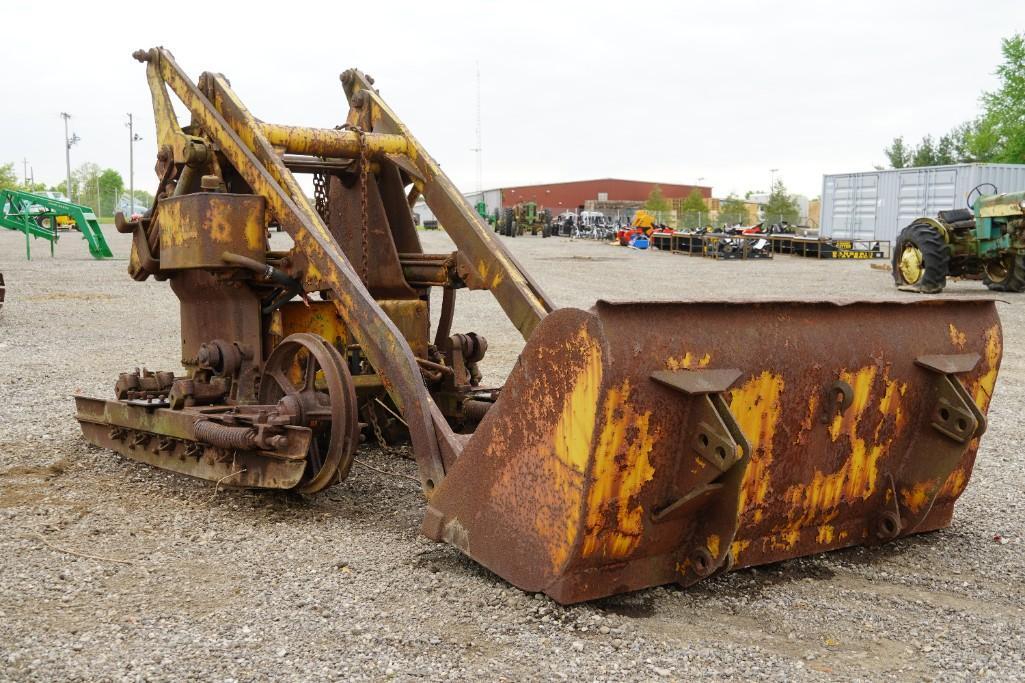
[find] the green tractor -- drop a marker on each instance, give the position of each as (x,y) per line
(985,241)
(492,219)
(525,217)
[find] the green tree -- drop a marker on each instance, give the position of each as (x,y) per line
(9,177)
(97,188)
(693,210)
(925,154)
(781,206)
(997,135)
(656,201)
(1002,127)
(84,183)
(898,153)
(732,210)
(144,197)
(111,187)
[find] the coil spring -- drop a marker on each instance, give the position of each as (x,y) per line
(223,436)
(475,410)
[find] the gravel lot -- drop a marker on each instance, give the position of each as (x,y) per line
(235,585)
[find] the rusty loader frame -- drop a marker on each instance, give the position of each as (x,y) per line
(634,444)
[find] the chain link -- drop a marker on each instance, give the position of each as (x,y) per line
(363,167)
(378,434)
(320,194)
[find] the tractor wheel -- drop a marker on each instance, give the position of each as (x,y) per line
(1006,274)
(508,223)
(921,259)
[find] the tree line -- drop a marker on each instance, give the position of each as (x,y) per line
(694,213)
(996,135)
(101,189)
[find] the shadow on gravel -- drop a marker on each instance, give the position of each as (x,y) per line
(639,605)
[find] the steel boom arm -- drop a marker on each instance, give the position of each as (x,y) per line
(240,138)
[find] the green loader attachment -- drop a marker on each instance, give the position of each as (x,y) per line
(28,213)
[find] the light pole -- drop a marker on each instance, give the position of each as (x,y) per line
(772,178)
(67,150)
(24,161)
(132,139)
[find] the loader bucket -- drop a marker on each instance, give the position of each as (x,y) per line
(647,443)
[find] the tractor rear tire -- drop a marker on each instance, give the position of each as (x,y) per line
(921,260)
(1009,276)
(508,223)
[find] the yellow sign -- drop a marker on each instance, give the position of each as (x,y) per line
(856,254)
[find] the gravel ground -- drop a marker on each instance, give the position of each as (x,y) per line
(199,584)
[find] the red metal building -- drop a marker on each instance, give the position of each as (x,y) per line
(570,196)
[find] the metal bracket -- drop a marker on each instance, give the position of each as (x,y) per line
(955,420)
(711,504)
(955,416)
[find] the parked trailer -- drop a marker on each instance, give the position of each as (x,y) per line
(877,205)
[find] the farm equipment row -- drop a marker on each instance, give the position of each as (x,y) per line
(523,218)
(40,217)
(633,444)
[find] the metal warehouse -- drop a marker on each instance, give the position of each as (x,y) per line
(877,205)
(572,195)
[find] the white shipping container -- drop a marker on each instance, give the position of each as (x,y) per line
(877,205)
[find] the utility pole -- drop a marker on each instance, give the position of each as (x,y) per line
(68,141)
(132,139)
(479,148)
(24,162)
(772,178)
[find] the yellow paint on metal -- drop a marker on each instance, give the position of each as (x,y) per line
(756,406)
(571,443)
(825,535)
(318,317)
(918,495)
(957,337)
(817,502)
(491,279)
(328,142)
(911,264)
(955,484)
(738,547)
(713,545)
(688,361)
(983,390)
(621,468)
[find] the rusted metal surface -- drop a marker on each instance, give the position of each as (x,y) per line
(633,445)
(520,296)
(325,142)
(197,229)
(238,135)
(575,506)
(308,374)
(167,439)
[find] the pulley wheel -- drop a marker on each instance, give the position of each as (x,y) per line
(309,376)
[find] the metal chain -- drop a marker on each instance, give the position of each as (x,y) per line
(320,194)
(378,434)
(363,164)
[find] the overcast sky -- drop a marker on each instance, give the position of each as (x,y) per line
(673,92)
